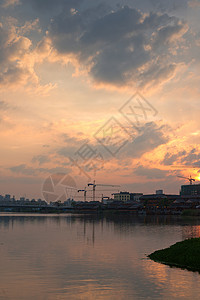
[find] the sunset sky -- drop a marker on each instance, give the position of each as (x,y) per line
(106,91)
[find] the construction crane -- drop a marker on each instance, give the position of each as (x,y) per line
(188,178)
(94,187)
(85,192)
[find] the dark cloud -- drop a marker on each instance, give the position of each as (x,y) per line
(22,169)
(119,46)
(170,5)
(46,5)
(169,158)
(183,158)
(150,173)
(151,136)
(70,146)
(41,159)
(3,105)
(67,151)
(26,170)
(191,158)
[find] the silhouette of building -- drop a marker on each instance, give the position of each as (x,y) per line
(190,190)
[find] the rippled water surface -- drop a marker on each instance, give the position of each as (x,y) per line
(92,257)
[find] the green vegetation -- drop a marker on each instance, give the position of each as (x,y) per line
(184,254)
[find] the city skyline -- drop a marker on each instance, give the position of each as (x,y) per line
(100,91)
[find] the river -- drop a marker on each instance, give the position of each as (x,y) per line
(92,257)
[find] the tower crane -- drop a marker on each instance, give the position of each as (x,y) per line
(94,187)
(188,178)
(85,192)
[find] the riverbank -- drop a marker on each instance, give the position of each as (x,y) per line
(185,254)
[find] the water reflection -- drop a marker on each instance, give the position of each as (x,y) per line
(92,257)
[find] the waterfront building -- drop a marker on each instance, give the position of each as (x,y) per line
(190,190)
(158,201)
(127,197)
(7,197)
(159,192)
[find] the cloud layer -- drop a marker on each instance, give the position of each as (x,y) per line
(121,46)
(71,63)
(13,49)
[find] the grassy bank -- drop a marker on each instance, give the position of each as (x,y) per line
(190,213)
(184,254)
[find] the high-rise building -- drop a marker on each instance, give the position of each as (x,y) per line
(190,190)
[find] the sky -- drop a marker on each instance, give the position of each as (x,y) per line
(105,91)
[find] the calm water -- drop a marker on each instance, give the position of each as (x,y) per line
(91,257)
